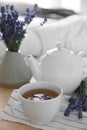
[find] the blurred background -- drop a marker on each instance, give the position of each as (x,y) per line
(76,5)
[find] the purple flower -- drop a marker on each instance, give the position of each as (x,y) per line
(2,9)
(44,21)
(76,104)
(78,101)
(13,30)
(80,115)
(12,8)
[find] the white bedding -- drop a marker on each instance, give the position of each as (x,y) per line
(72,31)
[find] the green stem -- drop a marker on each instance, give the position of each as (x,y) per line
(13,46)
(80,90)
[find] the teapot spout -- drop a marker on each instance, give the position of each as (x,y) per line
(35,67)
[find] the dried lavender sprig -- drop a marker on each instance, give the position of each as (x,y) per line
(13,30)
(78,101)
(44,21)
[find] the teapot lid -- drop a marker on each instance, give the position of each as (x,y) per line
(62,49)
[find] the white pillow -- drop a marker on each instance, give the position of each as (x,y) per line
(31,44)
(72,31)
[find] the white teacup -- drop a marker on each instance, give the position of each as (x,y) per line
(40,112)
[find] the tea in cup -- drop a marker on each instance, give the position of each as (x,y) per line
(40,101)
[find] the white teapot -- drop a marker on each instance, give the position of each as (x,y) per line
(60,66)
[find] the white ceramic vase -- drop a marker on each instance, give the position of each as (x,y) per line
(14,71)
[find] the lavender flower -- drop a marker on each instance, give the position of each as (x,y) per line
(12,29)
(44,21)
(78,101)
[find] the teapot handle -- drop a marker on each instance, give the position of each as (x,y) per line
(83,54)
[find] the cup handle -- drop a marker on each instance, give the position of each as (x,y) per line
(17,110)
(84,65)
